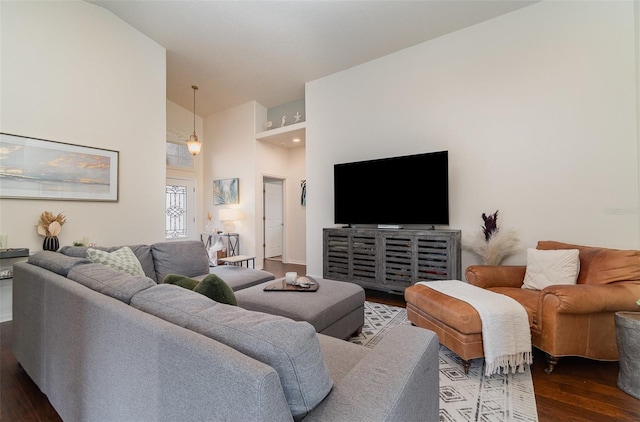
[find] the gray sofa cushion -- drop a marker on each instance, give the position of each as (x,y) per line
(56,262)
(188,258)
(291,348)
(171,303)
(109,281)
(240,277)
(142,252)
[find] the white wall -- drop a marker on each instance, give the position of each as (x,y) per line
(231,150)
(296,213)
(180,120)
(229,137)
(537,109)
(288,165)
(636,5)
(74,72)
(271,162)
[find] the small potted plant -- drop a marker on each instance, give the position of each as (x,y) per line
(50,226)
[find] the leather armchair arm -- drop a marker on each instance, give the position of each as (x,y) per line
(486,276)
(592,298)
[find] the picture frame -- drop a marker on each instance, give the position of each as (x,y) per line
(226,191)
(33,168)
(303,192)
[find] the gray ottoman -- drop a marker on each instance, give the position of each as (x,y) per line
(335,309)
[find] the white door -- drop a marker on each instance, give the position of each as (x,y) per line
(180,217)
(273,220)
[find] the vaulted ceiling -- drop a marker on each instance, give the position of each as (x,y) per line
(239,51)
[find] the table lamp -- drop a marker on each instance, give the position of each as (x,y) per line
(227,216)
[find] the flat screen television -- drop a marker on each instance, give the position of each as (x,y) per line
(396,191)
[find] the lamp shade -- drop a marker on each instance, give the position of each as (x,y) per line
(229,214)
(194,145)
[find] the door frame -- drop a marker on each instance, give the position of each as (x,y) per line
(265,179)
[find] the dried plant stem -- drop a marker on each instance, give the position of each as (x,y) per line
(501,244)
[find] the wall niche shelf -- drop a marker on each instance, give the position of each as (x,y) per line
(283,136)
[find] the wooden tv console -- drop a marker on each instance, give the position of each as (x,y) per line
(389,259)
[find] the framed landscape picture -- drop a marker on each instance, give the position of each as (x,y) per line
(32,168)
(225,191)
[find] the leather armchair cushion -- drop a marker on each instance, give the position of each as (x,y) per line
(601,265)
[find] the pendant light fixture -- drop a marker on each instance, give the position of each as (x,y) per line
(193,144)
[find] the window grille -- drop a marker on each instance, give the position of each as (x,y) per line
(178,156)
(176,209)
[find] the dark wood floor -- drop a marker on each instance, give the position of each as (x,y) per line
(577,390)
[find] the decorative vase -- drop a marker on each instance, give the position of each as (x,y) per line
(51,243)
(628,341)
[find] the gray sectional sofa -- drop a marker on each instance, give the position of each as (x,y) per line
(107,346)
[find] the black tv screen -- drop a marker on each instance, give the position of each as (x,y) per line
(411,189)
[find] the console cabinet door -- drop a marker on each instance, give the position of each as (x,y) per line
(391,260)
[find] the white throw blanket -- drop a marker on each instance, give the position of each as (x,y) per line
(506,337)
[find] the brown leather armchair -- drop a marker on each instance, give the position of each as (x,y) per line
(572,320)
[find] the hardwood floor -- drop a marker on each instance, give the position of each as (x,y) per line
(578,390)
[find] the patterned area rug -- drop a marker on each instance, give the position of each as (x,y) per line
(472,397)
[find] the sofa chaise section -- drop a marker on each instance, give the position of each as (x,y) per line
(82,335)
(98,359)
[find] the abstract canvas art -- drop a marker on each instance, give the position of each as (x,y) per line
(225,191)
(32,168)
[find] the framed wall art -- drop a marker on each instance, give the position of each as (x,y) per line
(32,168)
(225,191)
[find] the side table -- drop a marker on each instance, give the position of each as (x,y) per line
(239,260)
(628,342)
(232,242)
(8,257)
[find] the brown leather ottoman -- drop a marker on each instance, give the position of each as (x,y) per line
(456,323)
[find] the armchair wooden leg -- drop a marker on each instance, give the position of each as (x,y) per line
(466,364)
(552,361)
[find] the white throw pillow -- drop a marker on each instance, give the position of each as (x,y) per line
(122,260)
(550,267)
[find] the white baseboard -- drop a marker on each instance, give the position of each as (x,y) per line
(296,262)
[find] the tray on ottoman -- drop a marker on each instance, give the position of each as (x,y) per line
(283,286)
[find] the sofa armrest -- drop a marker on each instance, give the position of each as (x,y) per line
(591,298)
(486,276)
(396,381)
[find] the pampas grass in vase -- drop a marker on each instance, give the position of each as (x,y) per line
(50,226)
(492,244)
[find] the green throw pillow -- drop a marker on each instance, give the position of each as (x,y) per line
(215,288)
(181,280)
(211,286)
